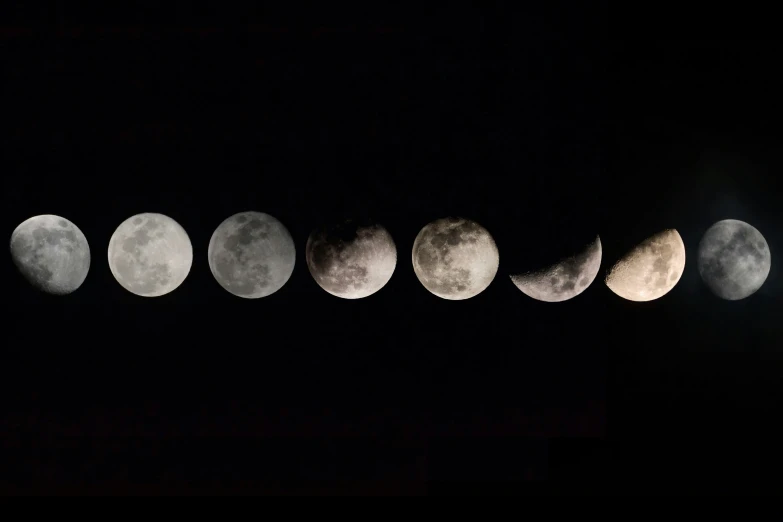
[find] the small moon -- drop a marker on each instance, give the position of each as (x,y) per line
(651,269)
(51,253)
(252,255)
(734,259)
(563,280)
(150,255)
(351,260)
(455,258)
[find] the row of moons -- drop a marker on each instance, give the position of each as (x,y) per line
(252,255)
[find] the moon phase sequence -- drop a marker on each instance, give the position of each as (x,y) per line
(734,259)
(455,258)
(150,255)
(252,255)
(565,279)
(51,253)
(651,269)
(351,260)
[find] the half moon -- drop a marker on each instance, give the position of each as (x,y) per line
(651,269)
(565,279)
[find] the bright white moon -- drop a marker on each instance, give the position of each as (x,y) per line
(150,255)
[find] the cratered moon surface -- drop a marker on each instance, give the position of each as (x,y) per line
(455,258)
(734,259)
(565,279)
(351,260)
(252,255)
(150,255)
(51,253)
(651,269)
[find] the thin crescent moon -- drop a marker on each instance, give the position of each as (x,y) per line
(565,279)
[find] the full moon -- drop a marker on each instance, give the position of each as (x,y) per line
(351,260)
(252,255)
(51,253)
(455,258)
(150,255)
(565,279)
(734,259)
(651,269)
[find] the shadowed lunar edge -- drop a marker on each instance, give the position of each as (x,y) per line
(351,260)
(51,253)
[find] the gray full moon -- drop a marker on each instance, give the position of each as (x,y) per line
(51,253)
(565,279)
(150,255)
(734,259)
(252,255)
(455,258)
(351,260)
(651,269)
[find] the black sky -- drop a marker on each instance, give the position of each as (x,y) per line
(538,127)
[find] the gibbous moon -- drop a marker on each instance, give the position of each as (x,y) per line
(565,279)
(651,269)
(252,255)
(455,258)
(150,255)
(734,259)
(51,253)
(351,260)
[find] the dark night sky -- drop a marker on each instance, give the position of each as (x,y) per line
(545,132)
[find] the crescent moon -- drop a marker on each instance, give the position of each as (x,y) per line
(565,279)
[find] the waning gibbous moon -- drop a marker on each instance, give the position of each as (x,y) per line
(51,253)
(252,255)
(651,269)
(150,255)
(351,260)
(455,258)
(565,279)
(734,259)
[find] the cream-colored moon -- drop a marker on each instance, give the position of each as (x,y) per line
(651,269)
